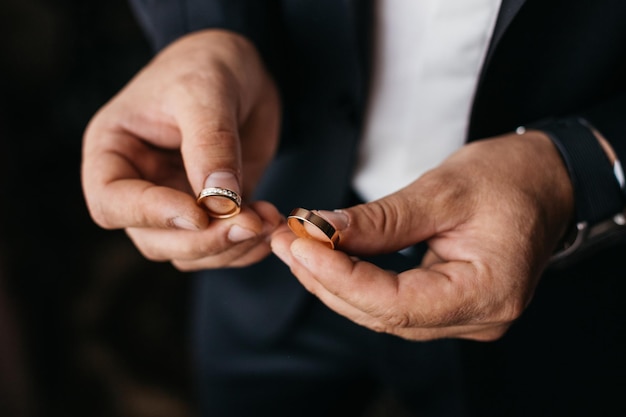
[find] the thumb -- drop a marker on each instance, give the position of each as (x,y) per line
(392,223)
(210,146)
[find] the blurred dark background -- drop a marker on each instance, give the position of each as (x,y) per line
(87,326)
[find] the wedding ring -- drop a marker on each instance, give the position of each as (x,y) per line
(299,220)
(221,203)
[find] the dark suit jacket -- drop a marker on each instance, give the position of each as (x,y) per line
(548,58)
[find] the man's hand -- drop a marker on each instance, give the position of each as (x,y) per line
(203,113)
(491,214)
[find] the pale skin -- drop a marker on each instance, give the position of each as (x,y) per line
(492,213)
(203,113)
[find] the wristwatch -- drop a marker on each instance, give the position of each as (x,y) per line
(599,198)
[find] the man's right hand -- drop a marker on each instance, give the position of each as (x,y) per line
(203,113)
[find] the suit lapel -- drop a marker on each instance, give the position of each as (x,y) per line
(361,14)
(508,10)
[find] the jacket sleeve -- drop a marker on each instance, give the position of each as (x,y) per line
(599,192)
(608,118)
(164,21)
(565,76)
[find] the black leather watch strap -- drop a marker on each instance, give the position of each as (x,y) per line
(597,194)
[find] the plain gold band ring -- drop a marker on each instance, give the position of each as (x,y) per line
(228,202)
(299,218)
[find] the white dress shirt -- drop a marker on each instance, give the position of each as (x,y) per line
(428,56)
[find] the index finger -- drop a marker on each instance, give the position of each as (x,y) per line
(117,193)
(419,298)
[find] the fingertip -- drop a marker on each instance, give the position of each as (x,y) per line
(312,253)
(268,213)
(280,233)
(222,179)
(338,218)
(280,243)
(299,249)
(183,223)
(237,234)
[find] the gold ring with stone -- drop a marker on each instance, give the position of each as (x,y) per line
(307,224)
(221,203)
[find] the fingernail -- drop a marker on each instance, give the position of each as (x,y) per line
(338,218)
(225,205)
(238,234)
(182,223)
(222,179)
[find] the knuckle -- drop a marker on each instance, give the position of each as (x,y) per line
(393,320)
(488,335)
(461,315)
(191,250)
(512,311)
(194,83)
(508,300)
(100,217)
(380,328)
(443,188)
(148,252)
(382,215)
(184,266)
(499,318)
